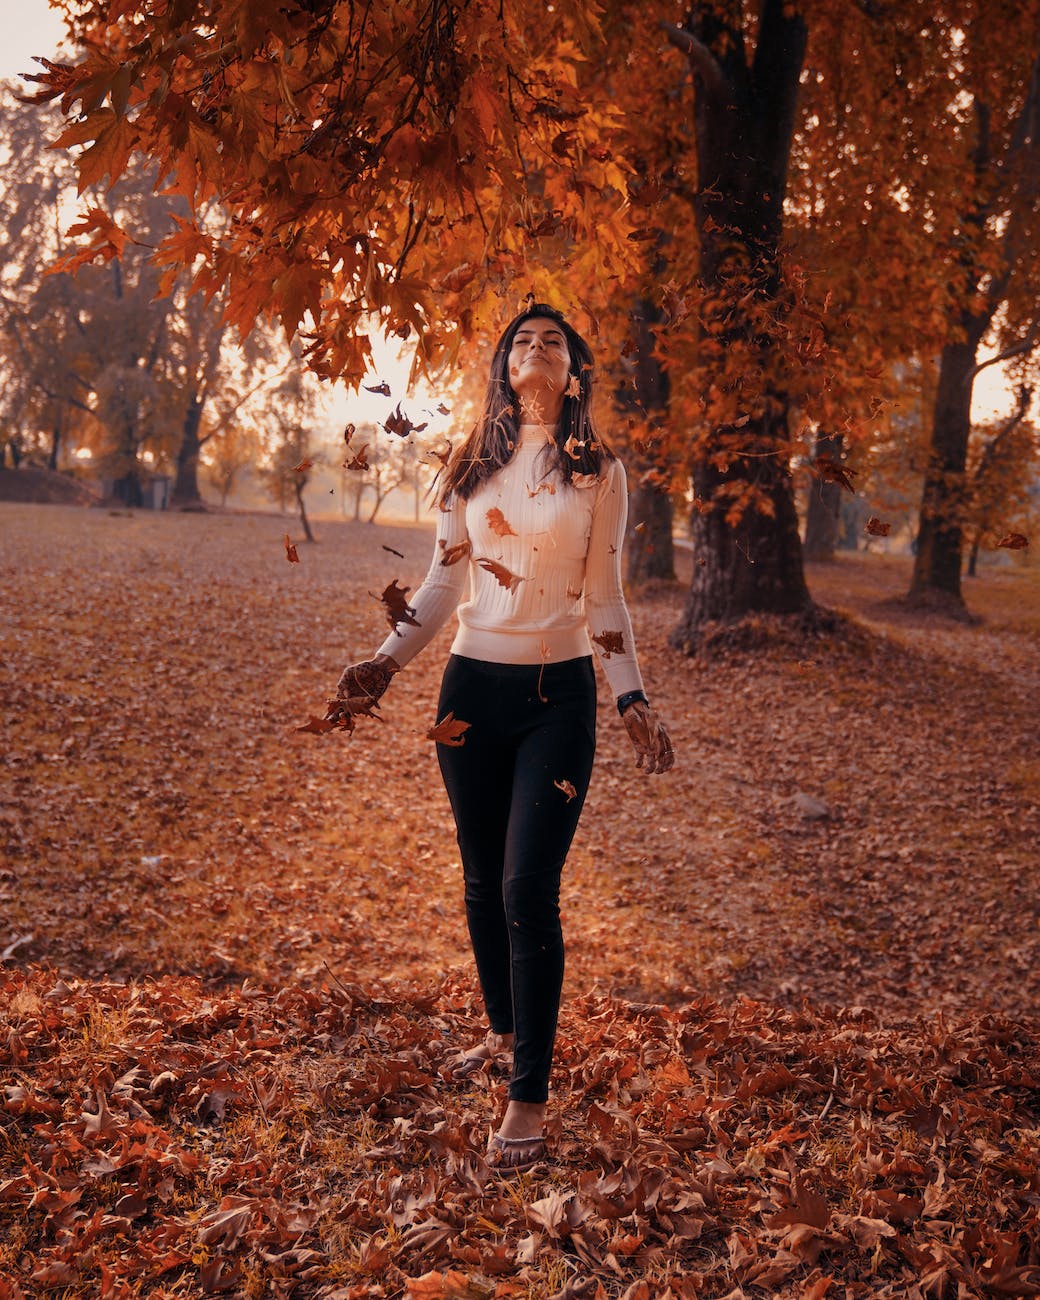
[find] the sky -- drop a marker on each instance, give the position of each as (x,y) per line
(31,27)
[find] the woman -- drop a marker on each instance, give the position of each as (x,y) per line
(533,507)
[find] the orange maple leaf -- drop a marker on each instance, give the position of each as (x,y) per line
(452,554)
(573,388)
(611,642)
(448,731)
(397,608)
(290,551)
(499,524)
(500,573)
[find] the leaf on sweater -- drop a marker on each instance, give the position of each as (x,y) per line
(500,573)
(448,731)
(584,480)
(290,551)
(452,554)
(499,524)
(574,595)
(567,788)
(359,461)
(397,608)
(542,487)
(610,643)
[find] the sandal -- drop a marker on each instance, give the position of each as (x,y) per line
(515,1155)
(484,1054)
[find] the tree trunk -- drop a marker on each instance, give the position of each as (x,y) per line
(940,539)
(823,514)
(299,485)
(973,557)
(52,459)
(649,550)
(186,493)
(128,490)
(746,560)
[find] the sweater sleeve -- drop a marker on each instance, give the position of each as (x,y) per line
(605,608)
(440,592)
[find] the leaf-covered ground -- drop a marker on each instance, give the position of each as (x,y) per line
(799,1042)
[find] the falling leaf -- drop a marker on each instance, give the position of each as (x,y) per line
(675,309)
(321,726)
(290,551)
(392,551)
(567,788)
(1014,541)
(498,523)
(382,388)
(442,409)
(348,433)
(452,554)
(397,608)
(500,573)
(875,526)
(640,527)
(832,471)
(359,461)
(611,643)
(442,456)
(542,487)
(399,423)
(573,388)
(303,466)
(448,731)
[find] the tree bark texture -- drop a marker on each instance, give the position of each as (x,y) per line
(649,551)
(744,116)
(186,482)
(823,510)
(940,538)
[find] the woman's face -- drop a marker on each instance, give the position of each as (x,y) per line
(539,367)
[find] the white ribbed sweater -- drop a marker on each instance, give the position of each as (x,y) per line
(565,548)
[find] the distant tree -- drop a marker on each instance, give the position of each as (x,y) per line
(118,355)
(291,440)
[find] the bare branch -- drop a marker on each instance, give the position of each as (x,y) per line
(1016,350)
(703,62)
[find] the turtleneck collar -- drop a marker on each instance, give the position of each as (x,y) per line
(534,435)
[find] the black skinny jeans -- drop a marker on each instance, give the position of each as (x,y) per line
(515,826)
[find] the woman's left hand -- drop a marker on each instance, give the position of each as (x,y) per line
(649,737)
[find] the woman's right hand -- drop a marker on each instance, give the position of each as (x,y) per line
(367,680)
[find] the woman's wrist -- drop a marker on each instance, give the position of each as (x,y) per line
(384,661)
(630,697)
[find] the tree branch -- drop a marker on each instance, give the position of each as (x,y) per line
(701,58)
(1015,350)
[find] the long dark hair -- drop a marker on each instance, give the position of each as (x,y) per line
(492,440)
